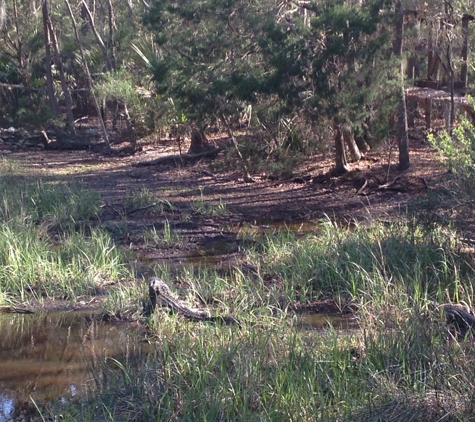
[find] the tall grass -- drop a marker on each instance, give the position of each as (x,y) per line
(351,260)
(401,364)
(48,245)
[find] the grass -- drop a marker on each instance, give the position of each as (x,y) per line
(208,209)
(49,247)
(402,364)
(165,238)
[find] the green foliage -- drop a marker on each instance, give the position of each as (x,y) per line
(144,108)
(457,147)
(216,58)
(47,246)
(208,54)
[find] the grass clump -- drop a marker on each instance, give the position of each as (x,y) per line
(48,247)
(350,261)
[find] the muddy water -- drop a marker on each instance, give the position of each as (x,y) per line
(50,356)
(317,321)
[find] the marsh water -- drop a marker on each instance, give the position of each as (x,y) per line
(46,357)
(51,356)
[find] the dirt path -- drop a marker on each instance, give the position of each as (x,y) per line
(208,210)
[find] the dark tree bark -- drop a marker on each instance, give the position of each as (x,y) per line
(64,85)
(199,142)
(463,68)
(450,64)
(110,10)
(401,117)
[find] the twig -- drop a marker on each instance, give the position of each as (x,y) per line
(141,208)
(112,208)
(362,188)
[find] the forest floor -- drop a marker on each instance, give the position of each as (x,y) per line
(203,215)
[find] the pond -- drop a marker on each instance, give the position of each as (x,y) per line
(48,357)
(51,356)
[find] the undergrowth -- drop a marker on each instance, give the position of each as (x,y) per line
(49,247)
(401,364)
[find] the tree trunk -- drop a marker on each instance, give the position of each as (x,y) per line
(450,66)
(341,165)
(110,68)
(2,13)
(463,67)
(62,77)
(49,76)
(130,128)
(199,142)
(352,146)
(401,117)
(111,32)
(88,77)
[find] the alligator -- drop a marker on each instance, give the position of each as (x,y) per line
(461,318)
(161,295)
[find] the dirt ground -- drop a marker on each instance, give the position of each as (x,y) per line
(210,210)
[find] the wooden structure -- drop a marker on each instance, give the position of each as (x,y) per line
(426,97)
(441,82)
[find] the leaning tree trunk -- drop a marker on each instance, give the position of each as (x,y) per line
(341,165)
(88,78)
(103,47)
(401,117)
(130,128)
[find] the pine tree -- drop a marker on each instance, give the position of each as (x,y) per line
(326,65)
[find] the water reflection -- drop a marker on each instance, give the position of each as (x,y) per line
(51,356)
(323,320)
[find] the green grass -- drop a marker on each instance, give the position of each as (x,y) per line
(165,238)
(207,208)
(49,247)
(402,364)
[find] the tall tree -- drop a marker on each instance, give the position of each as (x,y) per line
(88,77)
(3,13)
(48,59)
(62,75)
(401,113)
(215,55)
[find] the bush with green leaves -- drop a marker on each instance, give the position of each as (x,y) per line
(457,147)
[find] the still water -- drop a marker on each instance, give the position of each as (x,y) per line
(51,356)
(55,356)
